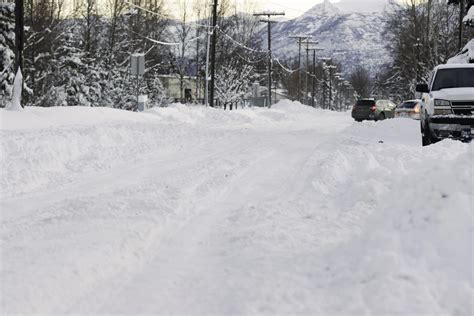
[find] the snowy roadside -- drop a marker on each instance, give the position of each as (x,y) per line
(289,210)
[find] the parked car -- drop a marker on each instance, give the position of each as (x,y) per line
(371,109)
(448,104)
(410,109)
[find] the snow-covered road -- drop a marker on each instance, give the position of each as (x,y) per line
(194,211)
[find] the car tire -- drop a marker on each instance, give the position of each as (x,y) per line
(426,136)
(382,116)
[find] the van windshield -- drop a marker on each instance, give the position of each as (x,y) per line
(454,78)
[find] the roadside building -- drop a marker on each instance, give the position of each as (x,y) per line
(192,88)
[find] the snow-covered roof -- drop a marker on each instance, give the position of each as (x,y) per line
(466,55)
(469,18)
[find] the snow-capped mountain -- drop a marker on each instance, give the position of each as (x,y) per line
(350,38)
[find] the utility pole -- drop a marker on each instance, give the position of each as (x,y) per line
(417,46)
(307,42)
(339,79)
(461,30)
(325,61)
(19,35)
(208,43)
(330,67)
(269,14)
(314,49)
(300,38)
(314,78)
(213,51)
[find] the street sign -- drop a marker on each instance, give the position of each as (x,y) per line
(137,64)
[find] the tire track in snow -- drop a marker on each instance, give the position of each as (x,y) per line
(192,257)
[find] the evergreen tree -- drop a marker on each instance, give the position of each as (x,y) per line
(7,57)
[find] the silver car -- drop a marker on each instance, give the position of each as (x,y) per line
(409,109)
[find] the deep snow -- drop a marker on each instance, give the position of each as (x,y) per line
(192,211)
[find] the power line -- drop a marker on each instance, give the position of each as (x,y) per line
(164,43)
(284,68)
(162,15)
(248,60)
(240,44)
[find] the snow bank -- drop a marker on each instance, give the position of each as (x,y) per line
(418,247)
(414,253)
(284,112)
(46,147)
(43,118)
(43,147)
(15,103)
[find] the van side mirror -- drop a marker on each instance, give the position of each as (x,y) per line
(422,88)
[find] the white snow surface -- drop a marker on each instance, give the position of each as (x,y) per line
(466,55)
(197,211)
(15,103)
(469,18)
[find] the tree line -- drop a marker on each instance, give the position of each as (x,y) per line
(81,57)
(79,54)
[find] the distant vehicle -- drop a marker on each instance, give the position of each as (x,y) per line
(448,104)
(410,109)
(371,109)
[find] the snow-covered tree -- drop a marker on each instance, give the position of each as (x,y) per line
(464,6)
(361,81)
(7,57)
(232,84)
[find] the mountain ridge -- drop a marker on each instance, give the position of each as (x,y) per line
(350,38)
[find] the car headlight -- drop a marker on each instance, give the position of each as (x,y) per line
(417,109)
(438,102)
(442,107)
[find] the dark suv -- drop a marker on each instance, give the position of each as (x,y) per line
(371,109)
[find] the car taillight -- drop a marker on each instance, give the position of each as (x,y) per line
(417,109)
(373,108)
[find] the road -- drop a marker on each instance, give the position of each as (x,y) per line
(229,219)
